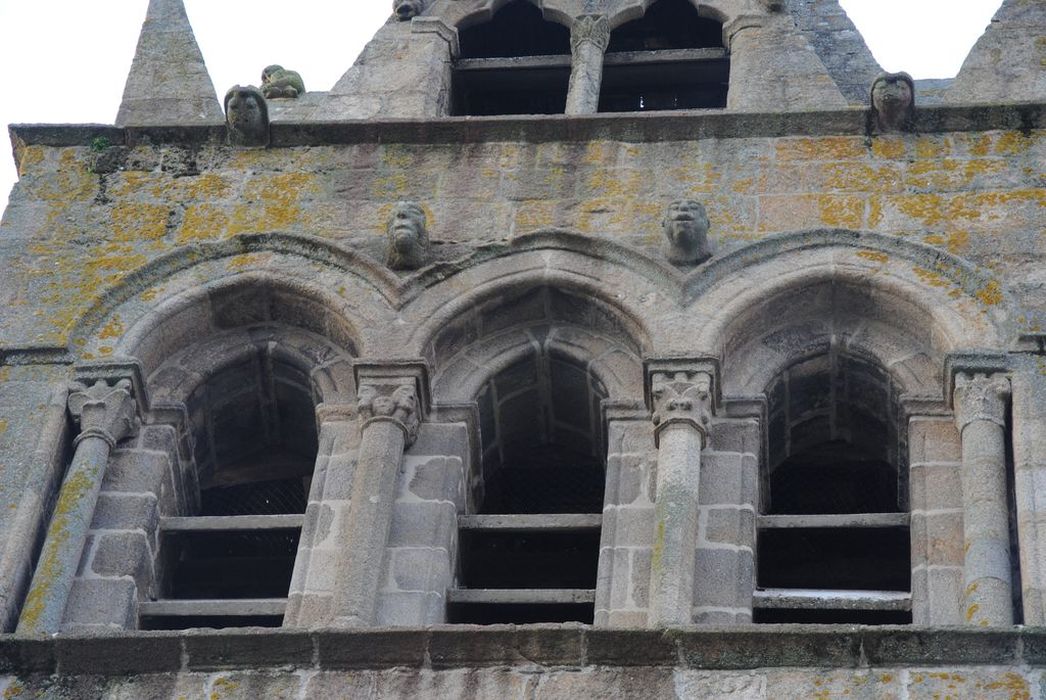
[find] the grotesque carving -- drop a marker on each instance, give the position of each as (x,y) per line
(893,102)
(277,82)
(246,116)
(681,397)
(396,404)
(407,247)
(407,9)
(981,397)
(686,232)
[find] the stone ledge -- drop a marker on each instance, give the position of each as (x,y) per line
(638,128)
(569,646)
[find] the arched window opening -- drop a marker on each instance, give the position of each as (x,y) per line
(833,538)
(670,58)
(517,63)
(255,444)
(529,554)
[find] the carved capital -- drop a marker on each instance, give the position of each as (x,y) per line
(104,411)
(980,396)
(593,29)
(682,396)
(393,403)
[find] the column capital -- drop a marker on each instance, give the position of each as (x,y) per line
(980,396)
(682,390)
(104,410)
(394,392)
(594,29)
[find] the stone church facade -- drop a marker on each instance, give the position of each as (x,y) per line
(564,348)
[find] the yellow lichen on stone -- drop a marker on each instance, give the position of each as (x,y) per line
(274,204)
(1011,143)
(872,255)
(823,148)
(933,147)
(841,211)
(888,147)
(1014,683)
(134,221)
(931,278)
(860,177)
(113,329)
(533,214)
(990,294)
(202,222)
(30,157)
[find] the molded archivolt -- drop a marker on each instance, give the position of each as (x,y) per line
(794,296)
(466,13)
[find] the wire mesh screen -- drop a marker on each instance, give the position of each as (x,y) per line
(551,480)
(260,498)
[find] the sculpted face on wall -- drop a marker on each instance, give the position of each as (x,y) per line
(407,245)
(407,9)
(686,232)
(246,116)
(893,102)
(279,82)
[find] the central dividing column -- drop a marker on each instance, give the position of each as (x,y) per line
(681,401)
(589,38)
(106,414)
(980,414)
(391,402)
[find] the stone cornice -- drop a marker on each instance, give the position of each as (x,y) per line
(682,125)
(573,646)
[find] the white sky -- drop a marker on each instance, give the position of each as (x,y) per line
(67,60)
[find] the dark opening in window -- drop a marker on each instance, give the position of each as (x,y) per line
(517,63)
(255,446)
(670,58)
(835,499)
(538,496)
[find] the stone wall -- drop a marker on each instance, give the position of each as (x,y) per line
(83,218)
(538,662)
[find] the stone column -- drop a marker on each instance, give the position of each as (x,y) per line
(681,400)
(106,414)
(980,415)
(390,404)
(589,37)
(1029,464)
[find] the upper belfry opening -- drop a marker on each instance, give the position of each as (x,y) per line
(517,63)
(667,24)
(518,29)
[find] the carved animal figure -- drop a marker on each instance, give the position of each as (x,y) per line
(893,102)
(406,9)
(279,82)
(407,245)
(686,232)
(246,116)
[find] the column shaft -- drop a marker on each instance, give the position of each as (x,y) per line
(980,414)
(986,570)
(588,42)
(66,536)
(675,522)
(369,518)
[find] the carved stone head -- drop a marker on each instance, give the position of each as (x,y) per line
(246,116)
(407,245)
(407,9)
(893,102)
(686,232)
(278,82)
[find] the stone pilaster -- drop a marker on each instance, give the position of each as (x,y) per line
(589,38)
(392,400)
(106,413)
(980,401)
(680,396)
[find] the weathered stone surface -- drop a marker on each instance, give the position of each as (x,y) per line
(1006,63)
(168,83)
